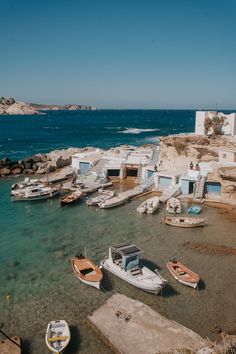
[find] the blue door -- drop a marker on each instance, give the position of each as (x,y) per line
(149,173)
(84,167)
(213,188)
(165,181)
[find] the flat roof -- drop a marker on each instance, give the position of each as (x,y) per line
(127,249)
(228,150)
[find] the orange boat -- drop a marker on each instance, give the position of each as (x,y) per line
(183,274)
(86,271)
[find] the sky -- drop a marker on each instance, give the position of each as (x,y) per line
(119,54)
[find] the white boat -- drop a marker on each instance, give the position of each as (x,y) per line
(57,336)
(113,202)
(173,206)
(124,262)
(26,183)
(101,197)
(39,192)
(149,206)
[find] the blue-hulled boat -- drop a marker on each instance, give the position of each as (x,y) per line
(195,209)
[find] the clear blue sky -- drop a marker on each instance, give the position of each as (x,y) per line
(119,54)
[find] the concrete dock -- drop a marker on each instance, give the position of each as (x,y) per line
(132,327)
(7,347)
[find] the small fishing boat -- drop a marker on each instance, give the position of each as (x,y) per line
(113,202)
(57,336)
(184,221)
(149,206)
(71,198)
(86,271)
(194,209)
(101,197)
(183,274)
(124,262)
(173,206)
(33,193)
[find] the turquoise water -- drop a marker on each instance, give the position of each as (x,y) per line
(38,239)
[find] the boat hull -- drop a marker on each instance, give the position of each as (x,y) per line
(192,284)
(112,205)
(123,275)
(173,222)
(42,197)
(63,346)
(91,281)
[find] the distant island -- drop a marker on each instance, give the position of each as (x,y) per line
(9,106)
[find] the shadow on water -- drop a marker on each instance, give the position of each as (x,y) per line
(26,347)
(169,291)
(201,285)
(106,282)
(74,345)
(149,264)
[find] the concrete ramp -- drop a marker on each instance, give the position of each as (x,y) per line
(134,328)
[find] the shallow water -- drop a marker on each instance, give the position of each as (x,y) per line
(38,239)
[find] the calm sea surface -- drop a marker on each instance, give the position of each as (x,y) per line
(38,239)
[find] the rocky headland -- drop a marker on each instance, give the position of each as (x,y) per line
(9,106)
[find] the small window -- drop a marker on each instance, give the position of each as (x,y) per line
(224,156)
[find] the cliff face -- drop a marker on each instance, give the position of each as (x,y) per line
(178,151)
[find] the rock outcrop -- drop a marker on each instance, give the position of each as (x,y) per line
(178,151)
(9,106)
(38,164)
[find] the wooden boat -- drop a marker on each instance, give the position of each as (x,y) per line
(173,206)
(124,262)
(183,274)
(57,336)
(113,202)
(149,206)
(86,271)
(101,197)
(194,209)
(184,221)
(71,198)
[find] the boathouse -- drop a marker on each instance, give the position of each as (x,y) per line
(166,178)
(188,181)
(82,162)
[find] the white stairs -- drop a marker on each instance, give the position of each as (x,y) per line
(199,190)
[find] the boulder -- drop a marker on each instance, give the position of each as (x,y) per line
(36,158)
(34,167)
(62,158)
(5,161)
(7,101)
(5,171)
(16,171)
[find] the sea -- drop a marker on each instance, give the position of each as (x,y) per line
(37,239)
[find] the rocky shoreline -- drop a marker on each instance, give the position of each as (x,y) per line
(38,163)
(9,106)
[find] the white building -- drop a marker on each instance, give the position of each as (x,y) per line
(227,155)
(229,127)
